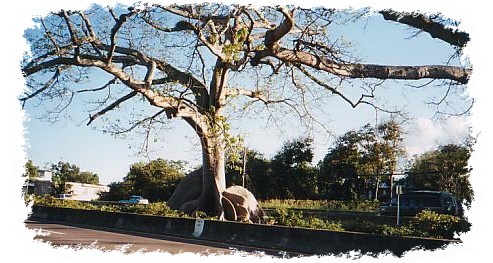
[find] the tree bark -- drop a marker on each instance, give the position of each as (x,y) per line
(355,70)
(213,142)
(426,24)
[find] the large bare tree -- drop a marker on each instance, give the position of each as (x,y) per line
(191,61)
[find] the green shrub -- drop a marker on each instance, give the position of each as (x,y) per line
(284,217)
(157,208)
(395,230)
(51,201)
(332,205)
(432,224)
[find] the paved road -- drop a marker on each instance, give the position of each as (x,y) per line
(61,234)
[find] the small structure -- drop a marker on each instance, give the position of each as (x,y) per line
(40,185)
(84,192)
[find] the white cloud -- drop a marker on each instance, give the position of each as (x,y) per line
(425,134)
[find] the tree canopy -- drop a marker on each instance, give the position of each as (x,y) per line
(361,160)
(444,169)
(292,172)
(155,180)
(65,172)
(192,61)
(31,170)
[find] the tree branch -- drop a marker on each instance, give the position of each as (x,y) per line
(111,106)
(47,85)
(119,23)
(426,24)
(273,36)
(355,70)
(258,95)
(110,82)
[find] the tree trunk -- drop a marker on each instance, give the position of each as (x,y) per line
(211,131)
(204,193)
(376,188)
(213,175)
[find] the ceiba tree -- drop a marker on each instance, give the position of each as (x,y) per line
(191,61)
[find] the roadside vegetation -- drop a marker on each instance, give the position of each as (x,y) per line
(426,224)
(329,205)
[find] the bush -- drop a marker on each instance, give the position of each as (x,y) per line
(157,208)
(395,230)
(431,224)
(283,217)
(51,201)
(332,205)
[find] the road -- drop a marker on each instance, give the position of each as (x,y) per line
(62,234)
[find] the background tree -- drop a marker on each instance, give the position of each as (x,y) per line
(178,60)
(391,147)
(338,171)
(31,170)
(259,173)
(155,180)
(293,174)
(360,159)
(381,146)
(65,172)
(258,177)
(444,169)
(118,191)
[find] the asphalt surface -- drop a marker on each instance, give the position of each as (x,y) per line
(72,235)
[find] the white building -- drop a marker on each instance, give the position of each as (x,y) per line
(84,192)
(40,185)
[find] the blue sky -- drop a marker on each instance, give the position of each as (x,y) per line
(375,41)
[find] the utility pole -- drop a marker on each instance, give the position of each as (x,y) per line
(244,167)
(398,191)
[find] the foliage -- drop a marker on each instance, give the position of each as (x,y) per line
(31,171)
(432,224)
(426,224)
(65,172)
(291,218)
(444,169)
(291,170)
(339,168)
(405,230)
(118,191)
(157,208)
(330,205)
(358,161)
(155,180)
(258,174)
(54,202)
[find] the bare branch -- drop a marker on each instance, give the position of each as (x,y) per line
(111,106)
(361,100)
(138,123)
(119,23)
(258,95)
(329,88)
(47,85)
(273,36)
(355,70)
(112,81)
(48,34)
(426,24)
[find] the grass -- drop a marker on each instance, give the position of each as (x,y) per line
(332,205)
